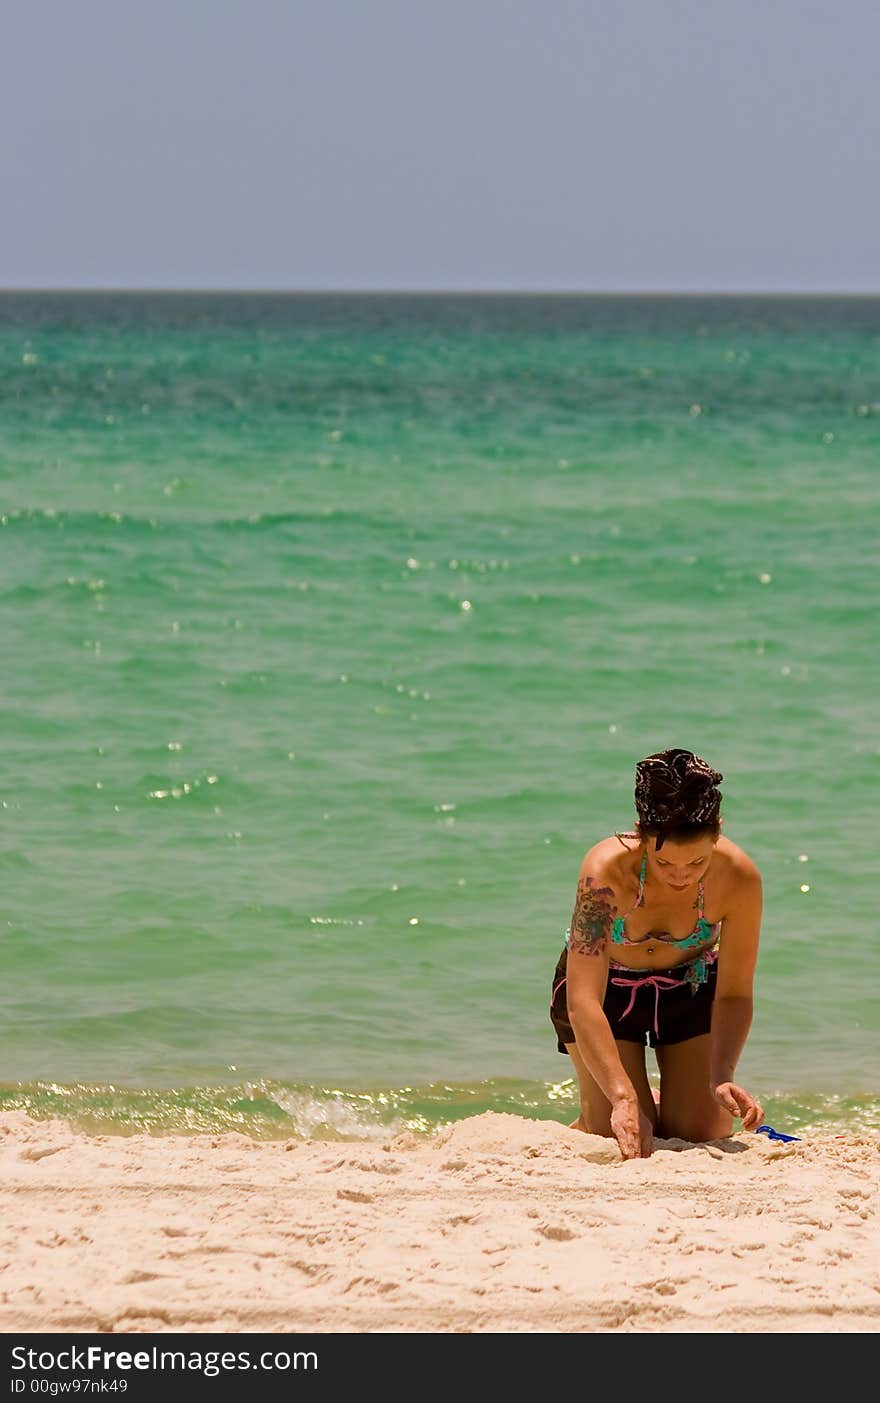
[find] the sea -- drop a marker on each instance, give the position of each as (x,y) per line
(333,627)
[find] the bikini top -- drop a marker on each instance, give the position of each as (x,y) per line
(701,933)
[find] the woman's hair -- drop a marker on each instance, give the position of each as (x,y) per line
(676,796)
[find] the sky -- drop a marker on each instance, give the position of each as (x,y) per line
(469,145)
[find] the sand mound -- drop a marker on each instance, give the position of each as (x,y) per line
(496,1133)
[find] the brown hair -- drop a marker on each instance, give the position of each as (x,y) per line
(677,796)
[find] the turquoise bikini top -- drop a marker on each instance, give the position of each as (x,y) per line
(701,933)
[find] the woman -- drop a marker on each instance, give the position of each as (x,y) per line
(639,963)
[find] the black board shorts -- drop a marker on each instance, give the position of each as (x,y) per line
(659,1007)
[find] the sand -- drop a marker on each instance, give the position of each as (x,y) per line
(500,1223)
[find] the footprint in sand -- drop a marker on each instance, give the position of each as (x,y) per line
(41,1153)
(370,1285)
(556,1234)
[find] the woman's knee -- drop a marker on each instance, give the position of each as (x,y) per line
(595,1111)
(595,1116)
(696,1126)
(591,1126)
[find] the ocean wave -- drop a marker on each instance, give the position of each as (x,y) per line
(265,1109)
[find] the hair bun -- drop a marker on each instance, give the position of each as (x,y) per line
(676,787)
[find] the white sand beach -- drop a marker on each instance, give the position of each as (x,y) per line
(500,1223)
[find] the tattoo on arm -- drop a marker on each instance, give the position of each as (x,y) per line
(591,920)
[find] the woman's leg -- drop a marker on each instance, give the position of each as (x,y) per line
(595,1116)
(688,1110)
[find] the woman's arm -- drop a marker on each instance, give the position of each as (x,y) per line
(732,1011)
(587,976)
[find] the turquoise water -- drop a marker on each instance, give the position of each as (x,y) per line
(333,629)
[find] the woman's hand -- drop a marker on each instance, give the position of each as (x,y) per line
(632,1129)
(738,1101)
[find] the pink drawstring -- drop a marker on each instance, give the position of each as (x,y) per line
(555,992)
(659,981)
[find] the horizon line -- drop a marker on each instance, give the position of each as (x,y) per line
(446,292)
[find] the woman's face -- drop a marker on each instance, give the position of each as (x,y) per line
(680,865)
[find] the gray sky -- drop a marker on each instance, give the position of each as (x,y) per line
(468,144)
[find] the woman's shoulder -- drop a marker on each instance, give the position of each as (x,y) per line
(611,859)
(735,863)
(734,877)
